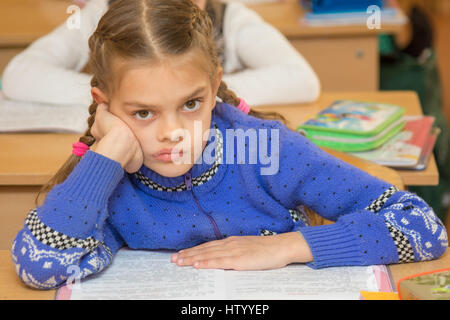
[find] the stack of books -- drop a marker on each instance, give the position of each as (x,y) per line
(374,131)
(410,149)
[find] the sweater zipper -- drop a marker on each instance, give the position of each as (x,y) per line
(188,182)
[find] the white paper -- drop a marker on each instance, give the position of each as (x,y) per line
(19,116)
(142,274)
(138,274)
(300,282)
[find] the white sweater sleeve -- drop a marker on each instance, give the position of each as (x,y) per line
(48,71)
(268,69)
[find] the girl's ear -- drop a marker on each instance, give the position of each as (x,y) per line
(98,95)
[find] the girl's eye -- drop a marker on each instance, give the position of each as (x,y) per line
(143,114)
(192,105)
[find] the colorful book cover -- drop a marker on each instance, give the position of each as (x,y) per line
(432,285)
(356,117)
(405,149)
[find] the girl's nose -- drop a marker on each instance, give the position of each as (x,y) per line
(171,129)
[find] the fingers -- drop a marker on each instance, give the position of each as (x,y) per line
(207,258)
(137,158)
(204,246)
(190,253)
(236,252)
(222,254)
(105,121)
(207,244)
(96,130)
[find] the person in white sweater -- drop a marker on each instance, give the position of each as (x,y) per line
(258,61)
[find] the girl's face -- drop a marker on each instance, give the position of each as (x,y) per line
(157,101)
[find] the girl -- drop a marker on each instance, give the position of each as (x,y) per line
(253,54)
(155,83)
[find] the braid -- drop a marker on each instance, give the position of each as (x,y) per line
(73,160)
(96,46)
(229,97)
(87,137)
(201,27)
(226,95)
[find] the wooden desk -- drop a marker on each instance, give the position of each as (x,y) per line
(29,160)
(11,287)
(344,57)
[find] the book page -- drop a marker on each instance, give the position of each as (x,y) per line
(139,274)
(21,116)
(143,274)
(300,282)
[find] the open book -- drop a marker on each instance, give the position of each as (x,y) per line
(20,116)
(139,274)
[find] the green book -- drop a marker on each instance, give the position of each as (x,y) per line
(349,125)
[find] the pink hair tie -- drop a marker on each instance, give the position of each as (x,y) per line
(79,148)
(243,106)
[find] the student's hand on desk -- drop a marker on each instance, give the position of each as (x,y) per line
(247,253)
(116,140)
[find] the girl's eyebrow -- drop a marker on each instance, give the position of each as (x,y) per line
(149,106)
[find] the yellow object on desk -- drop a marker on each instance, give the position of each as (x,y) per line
(368,295)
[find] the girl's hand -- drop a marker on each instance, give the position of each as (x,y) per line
(116,140)
(105,121)
(247,253)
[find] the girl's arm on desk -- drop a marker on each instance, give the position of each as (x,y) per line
(375,222)
(71,228)
(48,71)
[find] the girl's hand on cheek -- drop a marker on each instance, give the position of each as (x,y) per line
(246,253)
(116,140)
(105,121)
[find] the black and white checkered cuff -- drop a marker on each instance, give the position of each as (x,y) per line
(299,213)
(404,248)
(381,200)
(265,232)
(55,239)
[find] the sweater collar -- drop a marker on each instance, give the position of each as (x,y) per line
(204,176)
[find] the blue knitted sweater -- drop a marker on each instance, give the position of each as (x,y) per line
(85,220)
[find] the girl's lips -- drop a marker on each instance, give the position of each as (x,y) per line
(168,156)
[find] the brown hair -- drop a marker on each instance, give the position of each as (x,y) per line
(143,31)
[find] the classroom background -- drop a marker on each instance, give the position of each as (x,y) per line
(352,61)
(405,61)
